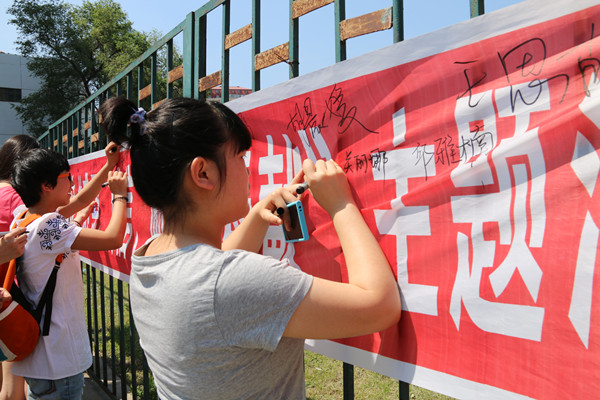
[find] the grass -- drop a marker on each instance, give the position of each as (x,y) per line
(111,334)
(324,380)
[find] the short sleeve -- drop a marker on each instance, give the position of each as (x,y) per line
(55,235)
(255,297)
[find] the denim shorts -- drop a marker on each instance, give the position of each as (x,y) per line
(70,388)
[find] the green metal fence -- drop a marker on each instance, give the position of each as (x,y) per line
(161,73)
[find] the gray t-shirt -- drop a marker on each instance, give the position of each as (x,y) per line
(211,323)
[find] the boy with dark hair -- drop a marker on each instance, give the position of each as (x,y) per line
(41,177)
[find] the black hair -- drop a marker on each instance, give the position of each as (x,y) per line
(35,168)
(164,144)
(11,149)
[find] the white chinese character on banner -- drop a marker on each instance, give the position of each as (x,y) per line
(403,221)
(518,208)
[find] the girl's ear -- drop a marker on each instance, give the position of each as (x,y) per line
(202,173)
(46,187)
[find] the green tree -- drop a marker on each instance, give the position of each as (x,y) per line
(74,50)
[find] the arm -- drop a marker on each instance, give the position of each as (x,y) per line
(370,301)
(249,235)
(112,237)
(83,214)
(88,193)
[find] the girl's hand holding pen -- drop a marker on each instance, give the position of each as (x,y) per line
(328,184)
(117,181)
(112,154)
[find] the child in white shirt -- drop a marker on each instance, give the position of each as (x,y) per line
(41,177)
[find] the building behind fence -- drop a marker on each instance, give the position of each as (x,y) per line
(16,82)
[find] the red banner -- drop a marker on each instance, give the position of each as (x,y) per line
(476,167)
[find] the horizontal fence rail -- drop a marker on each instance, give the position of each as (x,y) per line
(162,73)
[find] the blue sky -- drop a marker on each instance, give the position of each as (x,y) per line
(317,48)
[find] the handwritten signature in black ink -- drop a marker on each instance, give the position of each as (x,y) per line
(304,116)
(376,159)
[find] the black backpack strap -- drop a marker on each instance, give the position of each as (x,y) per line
(46,299)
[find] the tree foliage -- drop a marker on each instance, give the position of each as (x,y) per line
(74,51)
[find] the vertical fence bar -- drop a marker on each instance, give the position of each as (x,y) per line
(93,125)
(169,68)
(76,150)
(398,20)
(103,327)
(348,378)
(57,134)
(225,54)
(86,269)
(122,360)
(140,80)
(403,390)
(69,123)
(190,85)
(153,80)
(113,360)
(132,344)
(146,376)
(294,52)
(200,52)
(129,83)
(61,133)
(52,138)
(340,15)
(103,138)
(95,320)
(86,135)
(477,8)
(255,43)
(58,138)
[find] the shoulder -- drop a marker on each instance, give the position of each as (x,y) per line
(257,270)
(247,260)
(52,221)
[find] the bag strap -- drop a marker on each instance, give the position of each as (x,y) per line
(46,300)
(48,293)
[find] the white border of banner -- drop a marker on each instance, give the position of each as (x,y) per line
(87,157)
(429,379)
(521,15)
(112,272)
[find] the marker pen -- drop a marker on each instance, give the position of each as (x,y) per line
(302,188)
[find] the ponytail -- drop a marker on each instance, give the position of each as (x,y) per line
(165,140)
(116,113)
